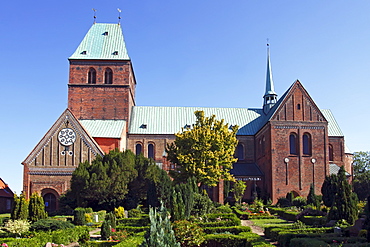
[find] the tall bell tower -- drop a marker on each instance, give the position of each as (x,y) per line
(101,77)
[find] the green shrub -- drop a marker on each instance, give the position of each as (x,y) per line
(224,209)
(79,217)
(143,221)
(241,214)
(232,229)
(244,239)
(188,233)
(314,220)
(299,201)
(133,229)
(307,242)
(217,220)
(50,224)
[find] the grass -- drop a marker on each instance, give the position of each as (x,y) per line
(270,222)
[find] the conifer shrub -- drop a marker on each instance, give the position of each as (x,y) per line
(112,219)
(79,217)
(50,225)
(106,230)
(36,208)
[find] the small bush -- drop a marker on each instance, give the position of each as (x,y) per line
(224,209)
(119,212)
(188,233)
(50,225)
(299,201)
(79,217)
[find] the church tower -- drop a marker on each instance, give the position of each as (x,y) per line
(101,78)
(270,97)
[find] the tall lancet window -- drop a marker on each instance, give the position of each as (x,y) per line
(108,76)
(307,146)
(91,76)
(151,151)
(293,144)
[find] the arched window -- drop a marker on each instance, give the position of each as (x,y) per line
(307,150)
(151,151)
(108,76)
(240,151)
(331,153)
(91,77)
(293,143)
(138,149)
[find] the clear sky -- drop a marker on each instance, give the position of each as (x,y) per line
(185,53)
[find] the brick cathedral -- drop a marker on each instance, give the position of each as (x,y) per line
(286,145)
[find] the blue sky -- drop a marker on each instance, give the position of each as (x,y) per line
(185,53)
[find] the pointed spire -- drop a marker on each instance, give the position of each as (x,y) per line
(270,97)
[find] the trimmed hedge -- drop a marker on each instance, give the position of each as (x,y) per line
(100,244)
(143,221)
(133,229)
(232,229)
(219,220)
(307,242)
(241,240)
(314,220)
(241,214)
(50,224)
(39,239)
(286,215)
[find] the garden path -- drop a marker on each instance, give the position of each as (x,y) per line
(257,229)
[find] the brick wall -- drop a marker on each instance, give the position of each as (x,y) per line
(101,101)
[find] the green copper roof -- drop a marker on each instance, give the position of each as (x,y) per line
(104,128)
(102,41)
(170,120)
(333,127)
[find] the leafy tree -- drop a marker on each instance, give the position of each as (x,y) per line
(361,172)
(238,189)
(36,208)
(160,233)
(205,151)
(104,183)
(345,201)
(160,187)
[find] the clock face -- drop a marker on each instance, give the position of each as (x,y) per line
(66,137)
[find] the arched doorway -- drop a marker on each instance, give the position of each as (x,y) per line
(50,200)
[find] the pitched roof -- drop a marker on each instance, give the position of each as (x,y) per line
(5,191)
(102,41)
(104,128)
(170,120)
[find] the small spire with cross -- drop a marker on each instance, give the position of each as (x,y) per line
(119,15)
(94,15)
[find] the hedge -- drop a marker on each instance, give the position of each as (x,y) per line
(241,240)
(143,221)
(232,229)
(314,220)
(133,229)
(307,242)
(241,214)
(286,215)
(219,220)
(99,244)
(39,239)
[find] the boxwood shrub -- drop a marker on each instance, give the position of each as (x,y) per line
(245,239)
(307,242)
(133,229)
(50,224)
(143,221)
(232,229)
(218,220)
(314,220)
(241,214)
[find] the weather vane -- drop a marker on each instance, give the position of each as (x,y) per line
(94,15)
(119,15)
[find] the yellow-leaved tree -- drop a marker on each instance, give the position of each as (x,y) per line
(205,151)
